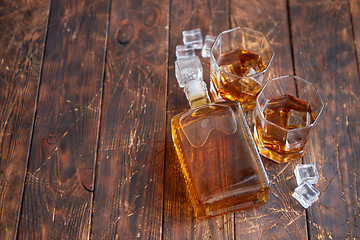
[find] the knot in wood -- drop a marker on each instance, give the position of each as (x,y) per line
(125,33)
(51,139)
(151,17)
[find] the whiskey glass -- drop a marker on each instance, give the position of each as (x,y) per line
(239,62)
(287,110)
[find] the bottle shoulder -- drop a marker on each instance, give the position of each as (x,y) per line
(209,108)
(198,123)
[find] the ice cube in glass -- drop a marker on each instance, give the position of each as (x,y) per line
(184,51)
(306,172)
(306,194)
(297,119)
(209,41)
(193,38)
(252,73)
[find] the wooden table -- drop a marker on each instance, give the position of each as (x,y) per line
(87,92)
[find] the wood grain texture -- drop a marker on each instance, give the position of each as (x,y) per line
(355,141)
(179,223)
(128,202)
(58,193)
(281,217)
(324,53)
(355,17)
(139,191)
(23,27)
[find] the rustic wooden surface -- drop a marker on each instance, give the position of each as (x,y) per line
(329,59)
(23,27)
(128,199)
(57,199)
(87,93)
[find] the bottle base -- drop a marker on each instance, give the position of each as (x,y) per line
(232,204)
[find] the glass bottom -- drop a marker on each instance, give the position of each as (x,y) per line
(275,156)
(247,102)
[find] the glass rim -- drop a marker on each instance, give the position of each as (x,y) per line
(250,30)
(296,129)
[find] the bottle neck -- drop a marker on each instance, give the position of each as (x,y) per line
(196,93)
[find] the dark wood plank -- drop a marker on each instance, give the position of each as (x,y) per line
(128,200)
(355,145)
(355,17)
(281,217)
(23,27)
(58,194)
(212,18)
(324,53)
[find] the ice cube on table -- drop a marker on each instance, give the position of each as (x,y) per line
(193,38)
(306,172)
(184,51)
(298,119)
(306,194)
(188,69)
(209,41)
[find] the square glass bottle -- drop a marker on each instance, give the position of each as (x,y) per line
(217,154)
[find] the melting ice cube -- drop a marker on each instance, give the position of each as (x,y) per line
(193,38)
(209,40)
(306,194)
(184,51)
(298,119)
(306,172)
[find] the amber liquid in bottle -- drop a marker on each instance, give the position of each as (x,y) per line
(288,112)
(238,63)
(217,154)
(219,160)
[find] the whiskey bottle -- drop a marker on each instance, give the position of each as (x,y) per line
(217,154)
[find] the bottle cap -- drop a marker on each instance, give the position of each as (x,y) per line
(188,69)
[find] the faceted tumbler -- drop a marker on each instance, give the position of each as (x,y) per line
(286,111)
(239,61)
